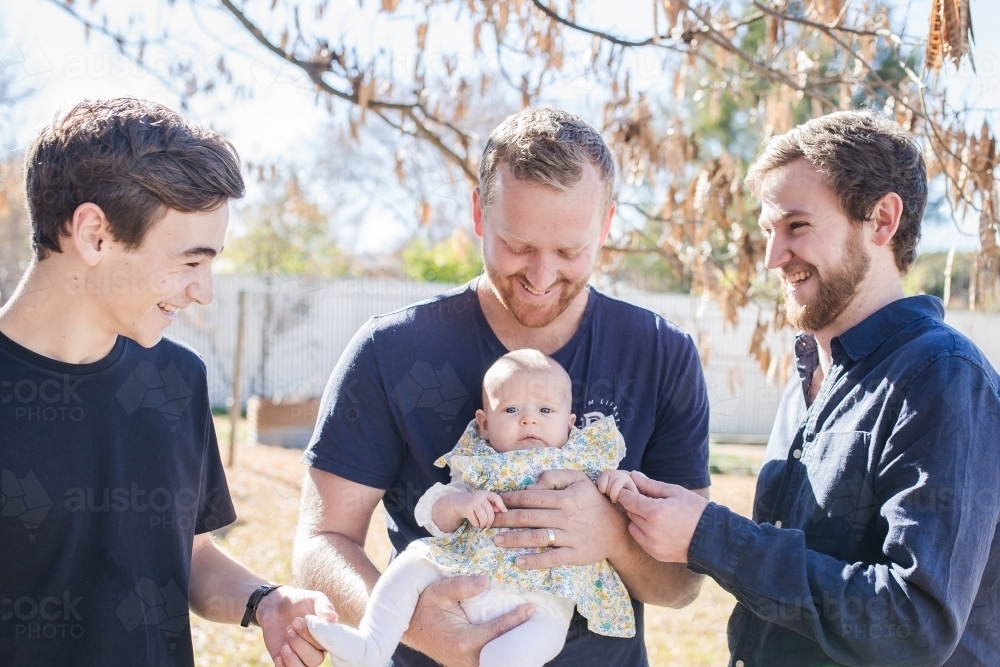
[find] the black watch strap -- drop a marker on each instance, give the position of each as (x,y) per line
(250,616)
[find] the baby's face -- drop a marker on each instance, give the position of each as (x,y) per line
(528,410)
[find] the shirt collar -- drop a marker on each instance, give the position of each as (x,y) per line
(866,336)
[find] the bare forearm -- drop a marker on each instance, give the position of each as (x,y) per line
(339,567)
(652,582)
(667,584)
(220,586)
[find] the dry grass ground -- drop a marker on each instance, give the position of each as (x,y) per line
(265,484)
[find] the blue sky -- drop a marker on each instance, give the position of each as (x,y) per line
(47,50)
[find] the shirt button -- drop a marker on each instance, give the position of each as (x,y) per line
(797,453)
(739,663)
(777,524)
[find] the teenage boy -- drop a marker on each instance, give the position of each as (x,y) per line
(111,474)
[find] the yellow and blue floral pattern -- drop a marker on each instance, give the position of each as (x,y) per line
(599,593)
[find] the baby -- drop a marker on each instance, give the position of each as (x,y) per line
(524,429)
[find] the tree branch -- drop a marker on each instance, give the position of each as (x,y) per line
(769,73)
(315,73)
(121,42)
(821,26)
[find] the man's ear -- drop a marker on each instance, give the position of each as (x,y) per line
(481,420)
(477,212)
(89,233)
(608,218)
(886,217)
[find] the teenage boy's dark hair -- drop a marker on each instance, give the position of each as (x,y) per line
(863,156)
(134,159)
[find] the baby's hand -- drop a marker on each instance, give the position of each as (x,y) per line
(479,507)
(611,482)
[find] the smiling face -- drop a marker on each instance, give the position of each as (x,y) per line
(820,255)
(139,292)
(540,243)
(527,409)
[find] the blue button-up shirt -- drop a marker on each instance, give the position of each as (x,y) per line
(874,536)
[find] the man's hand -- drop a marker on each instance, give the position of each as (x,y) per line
(611,482)
(478,507)
(440,629)
(663,517)
(587,527)
(275,614)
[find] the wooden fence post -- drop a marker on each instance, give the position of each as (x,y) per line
(237,398)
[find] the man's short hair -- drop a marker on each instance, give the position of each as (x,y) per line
(547,146)
(134,159)
(863,156)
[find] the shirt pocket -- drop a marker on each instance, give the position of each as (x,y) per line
(837,497)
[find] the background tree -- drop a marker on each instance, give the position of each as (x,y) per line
(684,103)
(455,259)
(15,232)
(283,235)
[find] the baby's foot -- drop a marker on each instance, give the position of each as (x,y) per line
(323,631)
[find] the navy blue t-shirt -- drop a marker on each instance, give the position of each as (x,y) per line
(108,471)
(409,382)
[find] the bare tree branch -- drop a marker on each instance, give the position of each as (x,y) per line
(412,110)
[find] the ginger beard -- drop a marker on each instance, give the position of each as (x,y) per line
(834,292)
(508,291)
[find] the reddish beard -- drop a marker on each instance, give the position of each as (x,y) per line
(528,315)
(834,292)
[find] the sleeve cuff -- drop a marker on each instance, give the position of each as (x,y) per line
(718,542)
(424,511)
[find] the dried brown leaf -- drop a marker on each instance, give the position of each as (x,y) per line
(672,8)
(422,36)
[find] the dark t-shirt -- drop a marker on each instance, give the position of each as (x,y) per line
(410,381)
(108,471)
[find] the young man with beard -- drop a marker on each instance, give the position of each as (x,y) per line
(111,475)
(410,381)
(874,536)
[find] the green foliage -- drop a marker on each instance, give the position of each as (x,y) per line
(927,277)
(286,234)
(455,259)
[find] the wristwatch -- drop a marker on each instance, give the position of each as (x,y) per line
(250,616)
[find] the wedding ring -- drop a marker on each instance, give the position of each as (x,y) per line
(552,538)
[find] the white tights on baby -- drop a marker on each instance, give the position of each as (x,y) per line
(394,598)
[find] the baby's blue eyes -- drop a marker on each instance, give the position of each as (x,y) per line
(546,411)
(510,410)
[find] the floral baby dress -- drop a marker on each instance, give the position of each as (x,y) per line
(599,593)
